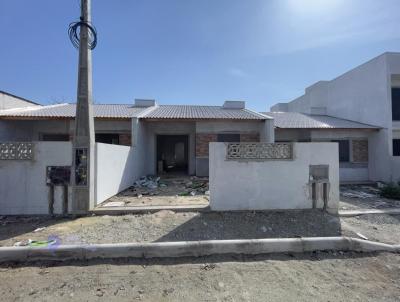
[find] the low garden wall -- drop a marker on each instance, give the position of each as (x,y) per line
(261,176)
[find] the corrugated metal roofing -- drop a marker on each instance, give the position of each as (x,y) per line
(68,111)
(129,111)
(298,120)
(202,112)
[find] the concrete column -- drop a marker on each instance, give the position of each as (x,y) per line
(267,131)
(83,192)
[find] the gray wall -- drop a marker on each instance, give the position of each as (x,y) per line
(23,188)
(271,184)
(115,170)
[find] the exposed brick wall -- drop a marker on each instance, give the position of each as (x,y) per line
(250,137)
(202,141)
(125,139)
(360,151)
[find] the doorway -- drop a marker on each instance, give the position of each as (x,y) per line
(172,154)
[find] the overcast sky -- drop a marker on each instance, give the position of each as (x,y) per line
(192,51)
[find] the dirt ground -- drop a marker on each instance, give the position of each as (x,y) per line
(294,277)
(169,190)
(364,197)
(171,226)
(319,276)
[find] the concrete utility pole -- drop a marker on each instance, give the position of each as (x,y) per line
(84,141)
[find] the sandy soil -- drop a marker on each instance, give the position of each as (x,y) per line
(307,277)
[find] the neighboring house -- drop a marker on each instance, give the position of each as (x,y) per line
(8,101)
(360,110)
(166,138)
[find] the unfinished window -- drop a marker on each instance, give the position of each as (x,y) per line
(228,138)
(344,150)
(54,137)
(396,147)
(396,104)
(107,138)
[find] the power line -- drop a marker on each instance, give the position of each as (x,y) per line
(74,31)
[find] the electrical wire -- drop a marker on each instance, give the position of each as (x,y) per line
(74,32)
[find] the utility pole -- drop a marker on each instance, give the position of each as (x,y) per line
(84,141)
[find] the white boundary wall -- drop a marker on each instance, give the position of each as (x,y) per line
(115,170)
(23,188)
(271,184)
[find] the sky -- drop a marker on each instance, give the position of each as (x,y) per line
(192,51)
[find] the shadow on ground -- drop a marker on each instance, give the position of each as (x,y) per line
(13,226)
(255,225)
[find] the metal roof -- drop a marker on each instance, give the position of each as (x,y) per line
(202,112)
(296,120)
(129,111)
(68,111)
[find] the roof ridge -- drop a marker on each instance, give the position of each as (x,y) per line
(258,114)
(31,108)
(345,119)
(181,105)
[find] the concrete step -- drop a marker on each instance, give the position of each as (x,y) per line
(148,209)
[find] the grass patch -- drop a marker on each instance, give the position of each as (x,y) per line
(391,191)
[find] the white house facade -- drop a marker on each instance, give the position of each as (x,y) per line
(360,110)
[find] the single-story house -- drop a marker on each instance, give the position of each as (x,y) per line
(167,138)
(352,137)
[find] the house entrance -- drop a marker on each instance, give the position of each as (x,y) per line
(172,154)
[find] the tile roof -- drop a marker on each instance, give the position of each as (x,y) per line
(202,112)
(68,111)
(298,120)
(129,111)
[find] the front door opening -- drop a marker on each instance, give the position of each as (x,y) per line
(172,154)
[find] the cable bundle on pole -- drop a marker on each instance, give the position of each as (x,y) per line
(74,31)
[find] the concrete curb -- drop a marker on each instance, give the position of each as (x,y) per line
(351,213)
(192,248)
(148,209)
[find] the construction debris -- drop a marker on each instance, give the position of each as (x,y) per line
(36,243)
(151,185)
(360,192)
(362,236)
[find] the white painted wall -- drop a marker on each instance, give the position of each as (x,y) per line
(23,188)
(115,170)
(8,101)
(271,184)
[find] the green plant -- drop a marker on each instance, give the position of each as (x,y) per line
(391,191)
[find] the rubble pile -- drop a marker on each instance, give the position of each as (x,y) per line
(153,185)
